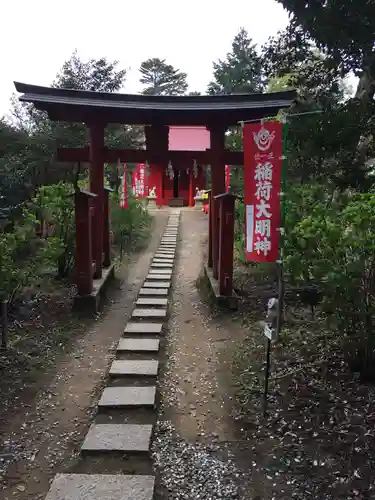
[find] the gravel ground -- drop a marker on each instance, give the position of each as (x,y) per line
(193,447)
(191,471)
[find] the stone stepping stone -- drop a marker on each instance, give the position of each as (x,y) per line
(118,437)
(122,397)
(156,284)
(157,277)
(101,487)
(136,367)
(153,291)
(162,265)
(155,328)
(167,273)
(152,301)
(149,313)
(138,345)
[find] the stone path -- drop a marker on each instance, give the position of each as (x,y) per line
(131,385)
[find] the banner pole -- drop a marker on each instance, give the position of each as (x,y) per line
(281,287)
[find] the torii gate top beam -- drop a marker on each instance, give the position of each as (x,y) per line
(86,106)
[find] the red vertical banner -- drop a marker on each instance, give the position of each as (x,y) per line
(227,178)
(139,181)
(263,148)
(141,168)
(124,190)
(134,183)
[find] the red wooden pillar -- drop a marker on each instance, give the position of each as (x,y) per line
(84,265)
(97,187)
(157,143)
(106,228)
(226,242)
(217,187)
(191,197)
(209,263)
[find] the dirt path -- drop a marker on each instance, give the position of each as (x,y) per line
(196,386)
(46,435)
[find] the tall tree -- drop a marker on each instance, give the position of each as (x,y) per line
(32,138)
(345,30)
(161,78)
(322,145)
(241,71)
(98,75)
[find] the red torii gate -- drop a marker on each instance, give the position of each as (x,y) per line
(155,113)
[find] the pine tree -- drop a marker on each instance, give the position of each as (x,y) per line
(241,71)
(161,78)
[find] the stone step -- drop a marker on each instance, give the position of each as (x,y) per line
(134,367)
(138,345)
(164,265)
(101,487)
(153,301)
(140,328)
(168,240)
(122,397)
(162,276)
(165,252)
(156,284)
(118,437)
(160,271)
(153,291)
(149,313)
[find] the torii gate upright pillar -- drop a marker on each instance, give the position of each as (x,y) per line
(96,133)
(217,187)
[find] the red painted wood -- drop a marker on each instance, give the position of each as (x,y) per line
(83,209)
(106,229)
(226,242)
(209,263)
(96,133)
(191,198)
(179,159)
(217,187)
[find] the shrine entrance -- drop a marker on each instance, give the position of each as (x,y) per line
(158,115)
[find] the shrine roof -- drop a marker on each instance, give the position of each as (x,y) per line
(83,106)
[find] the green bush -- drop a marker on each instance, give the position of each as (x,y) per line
(23,255)
(54,204)
(130,226)
(330,239)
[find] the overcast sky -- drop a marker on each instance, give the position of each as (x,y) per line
(37,36)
